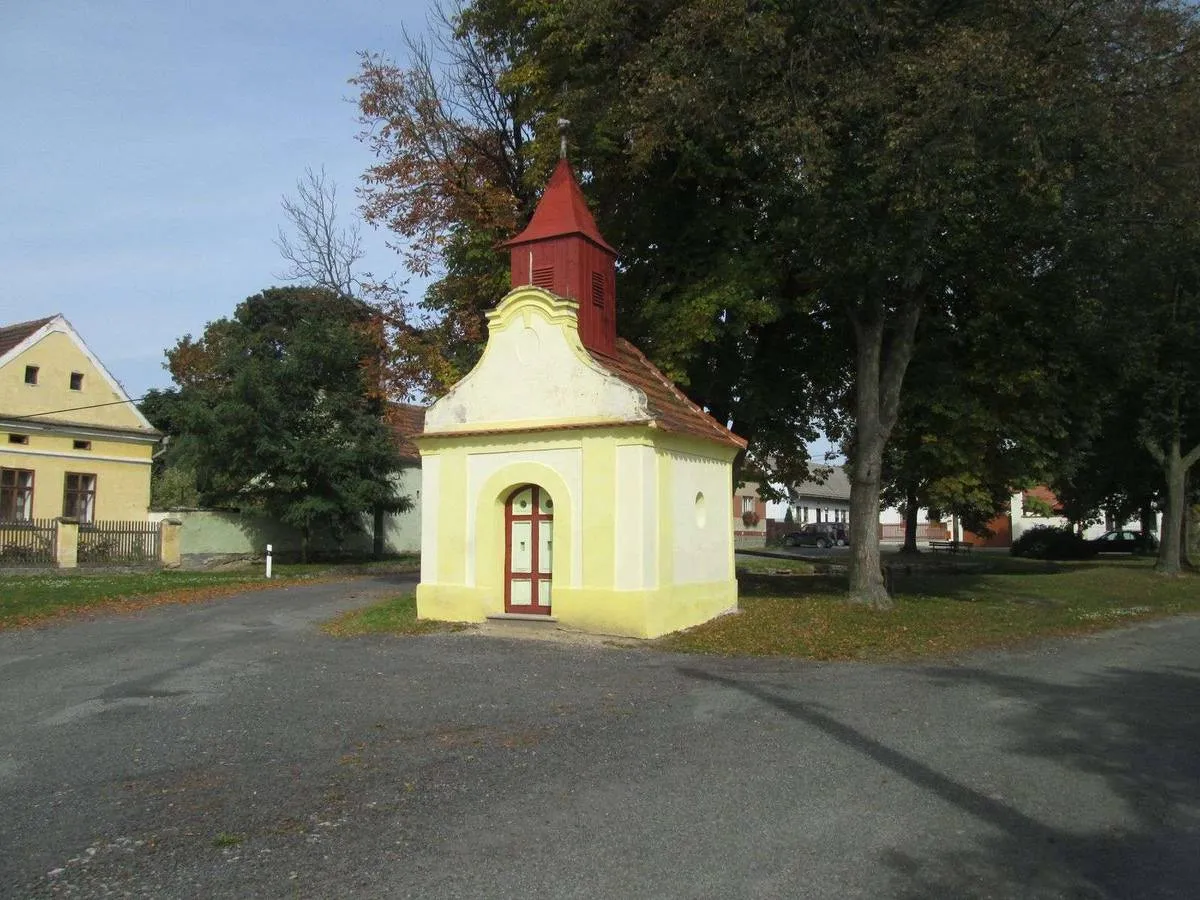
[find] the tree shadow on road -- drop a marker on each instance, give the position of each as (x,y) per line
(1139,731)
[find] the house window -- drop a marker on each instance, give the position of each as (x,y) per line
(18,439)
(747,504)
(31,373)
(79,496)
(16,494)
(804,514)
(77,381)
(83,445)
(597,289)
(543,277)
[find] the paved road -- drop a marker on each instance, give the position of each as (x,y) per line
(231,750)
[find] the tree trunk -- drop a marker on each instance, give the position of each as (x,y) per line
(1175,467)
(1191,531)
(304,544)
(378,534)
(1147,518)
(866,577)
(910,521)
(1186,524)
(877,380)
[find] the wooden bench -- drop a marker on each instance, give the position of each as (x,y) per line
(950,546)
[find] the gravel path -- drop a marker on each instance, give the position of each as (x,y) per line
(230,749)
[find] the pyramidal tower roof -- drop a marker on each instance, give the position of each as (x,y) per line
(561,211)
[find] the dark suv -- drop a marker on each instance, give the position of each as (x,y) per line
(818,534)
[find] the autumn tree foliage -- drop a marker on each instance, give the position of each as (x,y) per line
(806,196)
(453,179)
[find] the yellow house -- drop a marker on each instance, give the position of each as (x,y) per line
(71,442)
(565,477)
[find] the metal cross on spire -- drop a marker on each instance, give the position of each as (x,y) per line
(563,125)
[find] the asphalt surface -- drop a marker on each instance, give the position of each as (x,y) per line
(230,749)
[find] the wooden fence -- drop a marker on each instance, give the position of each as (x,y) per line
(118,543)
(27,542)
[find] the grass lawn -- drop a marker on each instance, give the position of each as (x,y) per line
(763,565)
(29,598)
(397,615)
(943,606)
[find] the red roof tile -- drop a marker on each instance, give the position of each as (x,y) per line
(406,421)
(670,409)
(11,335)
(562,210)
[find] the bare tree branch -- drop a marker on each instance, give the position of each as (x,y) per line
(318,251)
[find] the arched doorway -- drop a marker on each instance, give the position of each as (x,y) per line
(528,550)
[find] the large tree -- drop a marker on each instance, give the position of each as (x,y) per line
(1135,249)
(858,166)
(795,186)
(277,410)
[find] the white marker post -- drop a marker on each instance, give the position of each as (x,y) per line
(268,561)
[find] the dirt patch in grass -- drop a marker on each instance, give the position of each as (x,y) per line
(396,615)
(769,565)
(938,612)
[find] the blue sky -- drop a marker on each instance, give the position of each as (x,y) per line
(146,147)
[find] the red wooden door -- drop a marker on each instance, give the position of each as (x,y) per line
(528,550)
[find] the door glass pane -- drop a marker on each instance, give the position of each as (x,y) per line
(522,547)
(545,547)
(520,594)
(522,503)
(545,504)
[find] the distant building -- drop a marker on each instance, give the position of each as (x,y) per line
(750,516)
(72,443)
(823,498)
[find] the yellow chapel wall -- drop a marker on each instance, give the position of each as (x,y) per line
(631,557)
(698,508)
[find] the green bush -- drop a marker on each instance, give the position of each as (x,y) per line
(1044,542)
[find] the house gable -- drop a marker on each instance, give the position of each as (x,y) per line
(72,385)
(535,372)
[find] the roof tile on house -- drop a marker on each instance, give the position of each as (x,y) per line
(670,409)
(835,486)
(11,335)
(406,422)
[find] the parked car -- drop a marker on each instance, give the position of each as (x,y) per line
(818,534)
(1124,542)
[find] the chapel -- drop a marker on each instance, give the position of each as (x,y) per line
(565,478)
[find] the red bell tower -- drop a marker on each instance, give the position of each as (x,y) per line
(562,251)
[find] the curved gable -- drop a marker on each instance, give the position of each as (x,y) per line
(535,372)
